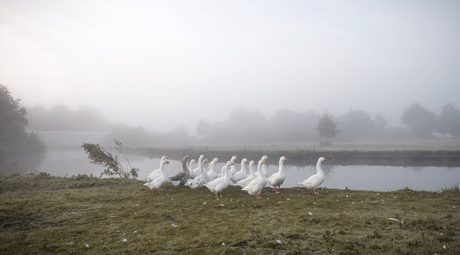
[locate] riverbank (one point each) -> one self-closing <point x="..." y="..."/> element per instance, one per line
<point x="84" y="215"/>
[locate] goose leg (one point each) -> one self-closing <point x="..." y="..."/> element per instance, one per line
<point x="278" y="191"/>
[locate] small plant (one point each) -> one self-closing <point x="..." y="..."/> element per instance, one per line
<point x="112" y="165"/>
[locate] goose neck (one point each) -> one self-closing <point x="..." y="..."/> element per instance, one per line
<point x="281" y="167"/>
<point x="318" y="167"/>
<point x="184" y="165"/>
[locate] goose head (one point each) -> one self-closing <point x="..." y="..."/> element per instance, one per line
<point x="282" y="159"/>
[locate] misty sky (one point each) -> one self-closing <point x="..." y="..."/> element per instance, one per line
<point x="166" y="64"/>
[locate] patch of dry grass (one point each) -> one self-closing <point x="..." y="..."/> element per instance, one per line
<point x="51" y="215"/>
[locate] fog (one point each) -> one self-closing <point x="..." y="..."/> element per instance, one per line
<point x="167" y="64"/>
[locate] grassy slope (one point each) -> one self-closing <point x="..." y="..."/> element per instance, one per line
<point x="50" y="215"/>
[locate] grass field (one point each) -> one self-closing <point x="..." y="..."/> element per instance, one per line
<point x="85" y="215"/>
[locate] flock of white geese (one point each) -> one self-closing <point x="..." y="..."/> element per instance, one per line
<point x="252" y="182"/>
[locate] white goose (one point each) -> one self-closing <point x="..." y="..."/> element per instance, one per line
<point x="242" y="173"/>
<point x="255" y="186"/>
<point x="200" y="180"/>
<point x="316" y="179"/>
<point x="232" y="170"/>
<point x="155" y="173"/>
<point x="162" y="178"/>
<point x="278" y="178"/>
<point x="211" y="174"/>
<point x="264" y="167"/>
<point x="250" y="177"/>
<point x="190" y="165"/>
<point x="219" y="184"/>
<point x="195" y="172"/>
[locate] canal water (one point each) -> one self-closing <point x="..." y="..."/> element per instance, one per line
<point x="356" y="177"/>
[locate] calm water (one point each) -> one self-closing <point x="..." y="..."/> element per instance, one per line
<point x="360" y="177"/>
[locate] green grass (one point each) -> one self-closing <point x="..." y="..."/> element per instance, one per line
<point x="84" y="215"/>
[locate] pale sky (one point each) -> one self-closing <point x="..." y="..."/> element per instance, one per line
<point x="166" y="64"/>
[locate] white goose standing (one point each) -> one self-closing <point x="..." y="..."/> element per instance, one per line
<point x="242" y="173"/>
<point x="162" y="178"/>
<point x="190" y="165"/>
<point x="316" y="179"/>
<point x="157" y="172"/>
<point x="232" y="169"/>
<point x="264" y="166"/>
<point x="195" y="172"/>
<point x="278" y="178"/>
<point x="250" y="177"/>
<point x="211" y="174"/>
<point x="255" y="186"/>
<point x="219" y="184"/>
<point x="200" y="180"/>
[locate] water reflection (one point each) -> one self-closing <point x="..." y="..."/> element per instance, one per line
<point x="360" y="177"/>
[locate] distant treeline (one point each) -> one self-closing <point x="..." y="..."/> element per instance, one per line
<point x="286" y="126"/>
<point x="63" y="118"/>
<point x="252" y="127"/>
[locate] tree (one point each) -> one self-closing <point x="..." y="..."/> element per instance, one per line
<point x="421" y="121"/>
<point x="290" y="126"/>
<point x="327" y="127"/>
<point x="356" y="124"/>
<point x="245" y="126"/>
<point x="448" y="121"/>
<point x="111" y="164"/>
<point x="380" y="123"/>
<point x="18" y="149"/>
<point x="202" y="128"/>
<point x="11" y="113"/>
